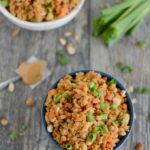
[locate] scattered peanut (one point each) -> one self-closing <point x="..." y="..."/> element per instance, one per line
<point x="139" y="146"/>
<point x="4" y="122"/>
<point x="67" y="34"/>
<point x="15" y="32"/>
<point x="123" y="93"/>
<point x="50" y="128"/>
<point x="70" y="49"/>
<point x="130" y="89"/>
<point x="11" y="87"/>
<point x="134" y="100"/>
<point x="76" y="37"/>
<point x="30" y="102"/>
<point x="62" y="41"/>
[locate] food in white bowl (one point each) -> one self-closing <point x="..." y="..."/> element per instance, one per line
<point x="41" y="14"/>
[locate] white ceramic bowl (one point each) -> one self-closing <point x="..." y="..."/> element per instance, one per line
<point x="42" y="25"/>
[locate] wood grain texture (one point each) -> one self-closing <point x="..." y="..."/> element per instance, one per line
<point x="91" y="53"/>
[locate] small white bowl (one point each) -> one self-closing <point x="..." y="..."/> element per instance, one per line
<point x="42" y="26"/>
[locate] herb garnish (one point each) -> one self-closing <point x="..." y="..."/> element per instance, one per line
<point x="13" y="136"/>
<point x="142" y="90"/>
<point x="62" y="58"/>
<point x="141" y="44"/>
<point x="124" y="68"/>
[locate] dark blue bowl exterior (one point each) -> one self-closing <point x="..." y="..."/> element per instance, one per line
<point x="119" y="85"/>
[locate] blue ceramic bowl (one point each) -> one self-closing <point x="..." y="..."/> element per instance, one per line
<point x="119" y="85"/>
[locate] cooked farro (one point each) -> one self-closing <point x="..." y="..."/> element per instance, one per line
<point x="87" y="112"/>
<point x="41" y="10"/>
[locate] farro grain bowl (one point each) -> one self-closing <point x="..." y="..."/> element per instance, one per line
<point x="88" y="110"/>
<point x="40" y="10"/>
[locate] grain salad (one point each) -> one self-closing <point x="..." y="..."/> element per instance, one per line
<point x="40" y="10"/>
<point x="87" y="112"/>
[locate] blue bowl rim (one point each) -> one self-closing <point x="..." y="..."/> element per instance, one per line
<point x="119" y="85"/>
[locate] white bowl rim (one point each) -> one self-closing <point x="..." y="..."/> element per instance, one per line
<point x="7" y="14"/>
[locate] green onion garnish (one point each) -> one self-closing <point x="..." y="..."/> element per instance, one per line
<point x="57" y="98"/>
<point x="112" y="82"/>
<point x="91" y="85"/>
<point x="103" y="106"/>
<point x="62" y="58"/>
<point x="97" y="130"/>
<point x="24" y="127"/>
<point x="48" y="1"/>
<point x="127" y="69"/>
<point x="69" y="147"/>
<point x="116" y="123"/>
<point x="100" y="94"/>
<point x="104" y="117"/>
<point x="92" y="137"/>
<point x="95" y="92"/>
<point x="4" y="3"/>
<point x="114" y="107"/>
<point x="124" y="68"/>
<point x="89" y="118"/>
<point x="48" y="10"/>
<point x="68" y="97"/>
<point x="13" y="136"/>
<point x="142" y="90"/>
<point x="141" y="44"/>
<point x="104" y="128"/>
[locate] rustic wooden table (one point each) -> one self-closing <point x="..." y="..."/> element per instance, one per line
<point x="91" y="53"/>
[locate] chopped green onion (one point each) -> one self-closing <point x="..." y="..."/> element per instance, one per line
<point x="97" y="130"/>
<point x="68" y="97"/>
<point x="127" y="69"/>
<point x="4" y="3"/>
<point x="91" y="85"/>
<point x="112" y="82"/>
<point x="62" y="58"/>
<point x="89" y="118"/>
<point x="124" y="68"/>
<point x="13" y="136"/>
<point x="95" y="92"/>
<point x="104" y="117"/>
<point x="73" y="80"/>
<point x="64" y="61"/>
<point x="120" y="65"/>
<point x="48" y="1"/>
<point x="24" y="127"/>
<point x="57" y="98"/>
<point x="94" y="89"/>
<point x="104" y="128"/>
<point x="69" y="147"/>
<point x="27" y="10"/>
<point x="103" y="106"/>
<point x="114" y="107"/>
<point x="141" y="44"/>
<point x="116" y="123"/>
<point x="100" y="94"/>
<point x="92" y="137"/>
<point x="142" y="90"/>
<point x="48" y="10"/>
